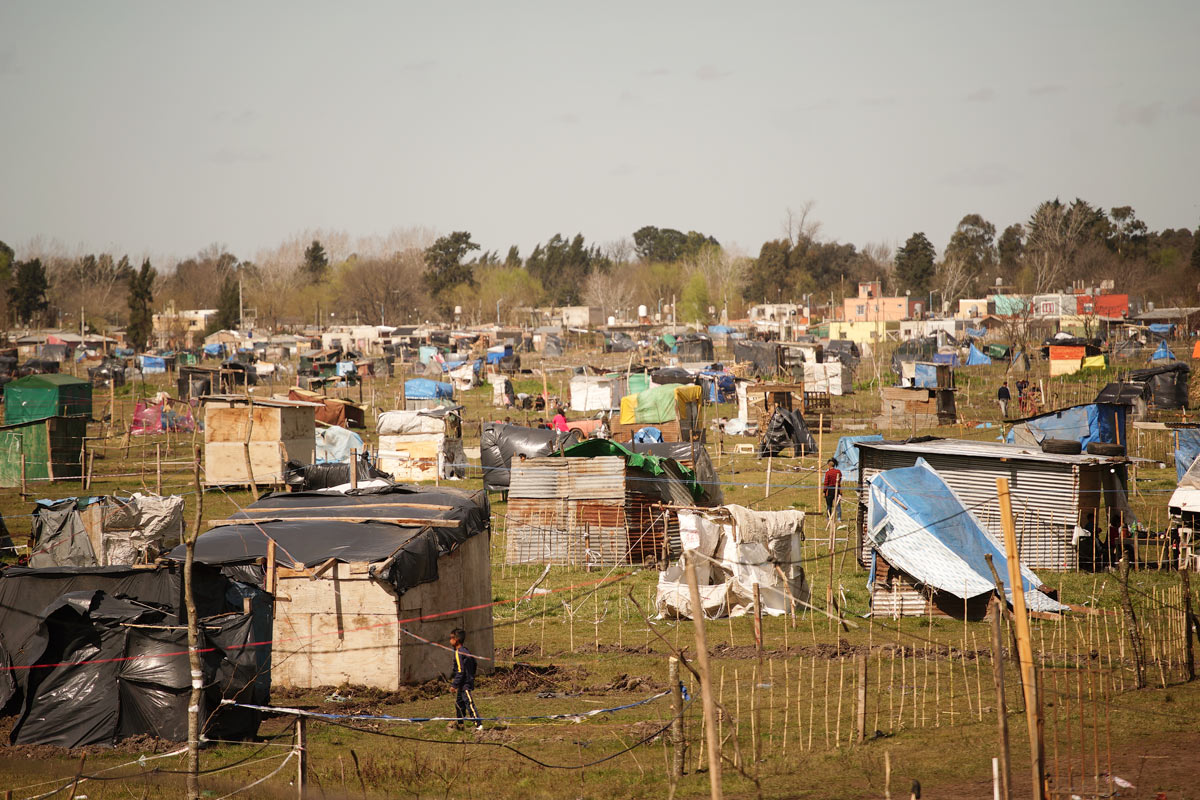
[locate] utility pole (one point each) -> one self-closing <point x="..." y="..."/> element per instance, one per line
<point x="241" y="309"/>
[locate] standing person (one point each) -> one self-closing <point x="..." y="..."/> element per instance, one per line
<point x="463" y="680"/>
<point x="559" y="423"/>
<point x="832" y="486"/>
<point x="1003" y="396"/>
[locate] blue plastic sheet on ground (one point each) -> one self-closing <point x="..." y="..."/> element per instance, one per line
<point x="846" y="455"/>
<point x="976" y="358"/>
<point x="1187" y="447"/>
<point x="425" y="389"/>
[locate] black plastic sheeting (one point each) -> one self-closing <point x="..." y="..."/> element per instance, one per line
<point x="104" y="679"/>
<point x="697" y="455"/>
<point x="59" y="538"/>
<point x="500" y="443"/>
<point x="306" y="477"/>
<point x="763" y="355"/>
<point x="677" y="375"/>
<point x="922" y="349"/>
<point x="414" y="549"/>
<point x="1168" y="384"/>
<point x="785" y="429"/>
<point x="1124" y="394"/>
<point x="694" y="347"/>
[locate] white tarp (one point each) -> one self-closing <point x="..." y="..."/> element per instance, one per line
<point x="833" y="377"/>
<point x="737" y="548"/>
<point x="335" y="444"/>
<point x="596" y="392"/>
<point x="463" y="377"/>
<point x="395" y="423"/>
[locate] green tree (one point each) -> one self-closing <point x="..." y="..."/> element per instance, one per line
<point x="972" y="243"/>
<point x="1195" y="261"/>
<point x="1011" y="248"/>
<point x="563" y="266"/>
<point x="27" y="294"/>
<point x="6" y="262"/>
<point x="914" y="263"/>
<point x="769" y="273"/>
<point x="513" y="259"/>
<point x="694" y="302"/>
<point x="444" y="265"/>
<point x="141" y="295"/>
<point x="227" y="317"/>
<point x="316" y="262"/>
<point x="1128" y="235"/>
<point x="667" y="244"/>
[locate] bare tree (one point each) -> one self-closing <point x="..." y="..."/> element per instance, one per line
<point x="1056" y="234"/>
<point x="797" y="225"/>
<point x="618" y="251"/>
<point x="953" y="276"/>
<point x="612" y="291"/>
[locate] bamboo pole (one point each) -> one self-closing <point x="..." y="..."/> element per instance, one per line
<point x="677" y="741"/>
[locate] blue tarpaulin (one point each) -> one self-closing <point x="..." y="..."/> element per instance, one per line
<point x="1161" y="328"/>
<point x="214" y="349"/>
<point x="1093" y="422"/>
<point x="977" y="333"/>
<point x="719" y="330"/>
<point x="345" y="368"/>
<point x="722" y="388"/>
<point x="846" y="455"/>
<point x="425" y="389"/>
<point x="976" y="358"/>
<point x="1187" y="447"/>
<point x="495" y="358"/>
<point x="1163" y="353"/>
<point x="153" y="365"/>
<point x="925" y="376"/>
<point x="426" y="352"/>
<point x="920" y="527"/>
<point x="946" y="358"/>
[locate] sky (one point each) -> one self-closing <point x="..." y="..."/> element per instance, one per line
<point x="149" y="127"/>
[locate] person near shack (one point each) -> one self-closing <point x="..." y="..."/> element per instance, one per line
<point x="463" y="681"/>
<point x="559" y="423"/>
<point x="832" y="485"/>
<point x="1003" y="396"/>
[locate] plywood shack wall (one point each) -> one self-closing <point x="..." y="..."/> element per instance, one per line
<point x="345" y="628"/>
<point x="279" y="433"/>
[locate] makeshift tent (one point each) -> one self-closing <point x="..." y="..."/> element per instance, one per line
<point x="1168" y="384"/>
<point x="762" y="356"/>
<point x="1163" y="353"/>
<point x="846" y="455"/>
<point x="111" y="679"/>
<point x="693" y="347"/>
<point x="721" y="387"/>
<point x="691" y="455"/>
<point x="426" y="389"/>
<point x="334" y="410"/>
<point x="1161" y="328"/>
<point x="421" y="445"/>
<point x="678" y="375"/>
<point x="42" y="449"/>
<point x="1134" y="395"/>
<point x="835" y="378"/>
<point x="1187" y="447"/>
<point x="104" y="531"/>
<point x="1092" y="422"/>
<point x="927" y="543"/>
<point x="922" y="349"/>
<point x="597" y="392"/>
<point x="162" y="414"/>
<point x="740" y="552"/>
<point x="499" y="444"/>
<point x="152" y="365"/>
<point x="663" y="404"/>
<point x="998" y="350"/>
<point x="976" y="358"/>
<point x="785" y="429"/>
<point x="37" y="397"/>
<point x="350" y="566"/>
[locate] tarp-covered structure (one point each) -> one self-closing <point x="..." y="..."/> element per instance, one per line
<point x="928" y="544"/>
<point x="1162" y="353"/>
<point x="37" y="397"/>
<point x="1168" y="384"/>
<point x="690" y="454"/>
<point x="104" y="531"/>
<point x="786" y="428"/>
<point x="597" y="392"/>
<point x="846" y="455"/>
<point x="673" y="408"/>
<point x="920" y="349"/>
<point x="107" y="680"/>
<point x="1091" y="422"/>
<point x="693" y="347"/>
<point x="975" y="358"/>
<point x="422" y="445"/>
<point x="426" y="389"/>
<point x="736" y="549"/>
<point x="333" y="410"/>
<point x="762" y="356"/>
<point x="500" y="443"/>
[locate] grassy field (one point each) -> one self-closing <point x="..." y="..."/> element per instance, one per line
<point x="788" y="718"/>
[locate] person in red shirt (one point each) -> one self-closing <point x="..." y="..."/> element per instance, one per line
<point x="832" y="486"/>
<point x="559" y="423"/>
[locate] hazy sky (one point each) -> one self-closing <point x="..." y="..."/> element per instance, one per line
<point x="165" y="127"/>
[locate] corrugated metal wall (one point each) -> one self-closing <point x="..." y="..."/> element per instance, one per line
<point x="1045" y="499"/>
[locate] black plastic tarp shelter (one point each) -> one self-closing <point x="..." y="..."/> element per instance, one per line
<point x="105" y="679"/>
<point x="785" y="429"/>
<point x="677" y="375"/>
<point x="1168" y="384"/>
<point x="694" y="347"/>
<point x="500" y="443"/>
<point x="763" y="355"/>
<point x="345" y="531"/>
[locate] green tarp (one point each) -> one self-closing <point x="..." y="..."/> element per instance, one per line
<point x="37" y="397"/>
<point x="638" y="382"/>
<point x="655" y="465"/>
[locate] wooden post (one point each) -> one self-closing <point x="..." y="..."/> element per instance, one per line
<point x="1033" y="710"/>
<point x="1001" y="707"/>
<point x="353" y="470"/>
<point x="758" y="631"/>
<point x="1189" y="658"/>
<point x="193" y="634"/>
<point x="271" y="573"/>
<point x="710" y="712"/>
<point x="1135" y="638"/>
<point x="767" y="491"/>
<point x="862" y="698"/>
<point x="677" y="741"/>
<point x="252" y="484"/>
<point x="301" y="757"/>
<point x="24" y="492"/>
<point x="158" y="468"/>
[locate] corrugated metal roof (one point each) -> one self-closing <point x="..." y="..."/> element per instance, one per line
<point x="989" y="450"/>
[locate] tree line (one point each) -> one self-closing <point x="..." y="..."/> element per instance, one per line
<point x="414" y="276"/>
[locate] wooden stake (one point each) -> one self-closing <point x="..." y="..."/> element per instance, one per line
<point x="302" y="757"/>
<point x="714" y="753"/>
<point x="1024" y="644"/>
<point x="158" y="468"/>
<point x="1189" y="659"/>
<point x="1001" y="708"/>
<point x="758" y="631"/>
<point x="677" y="741"/>
<point x="193" y="635"/>
<point x="862" y="698"/>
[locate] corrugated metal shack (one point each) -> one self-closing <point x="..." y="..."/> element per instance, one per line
<point x="600" y="505"/>
<point x="1051" y="493"/>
